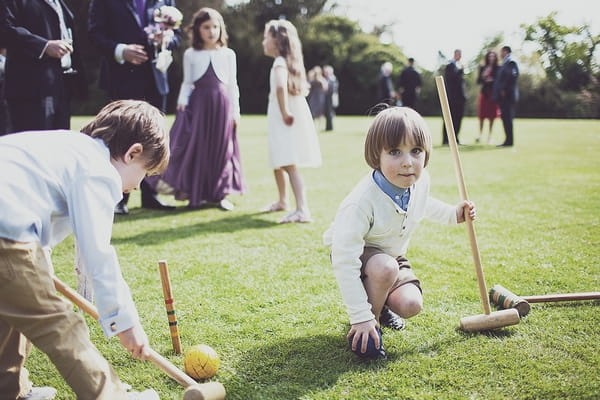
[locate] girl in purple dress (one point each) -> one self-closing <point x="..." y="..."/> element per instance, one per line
<point x="205" y="159"/>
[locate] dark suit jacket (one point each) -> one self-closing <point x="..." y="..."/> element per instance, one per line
<point x="505" y="89"/>
<point x="455" y="84"/>
<point x="409" y="79"/>
<point x="27" y="26"/>
<point x="115" y="21"/>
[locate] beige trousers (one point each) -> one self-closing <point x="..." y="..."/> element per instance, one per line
<point x="31" y="312"/>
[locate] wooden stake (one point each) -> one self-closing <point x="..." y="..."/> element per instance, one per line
<point x="166" y="285"/>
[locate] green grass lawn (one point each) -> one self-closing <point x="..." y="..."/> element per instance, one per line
<point x="264" y="295"/>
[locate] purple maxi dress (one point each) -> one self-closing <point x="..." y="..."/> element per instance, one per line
<point x="205" y="158"/>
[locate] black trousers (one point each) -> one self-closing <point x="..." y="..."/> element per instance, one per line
<point x="47" y="113"/>
<point x="507" y="113"/>
<point x="146" y="91"/>
<point x="457" y="110"/>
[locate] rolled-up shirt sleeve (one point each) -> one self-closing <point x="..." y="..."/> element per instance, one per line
<point x="92" y="216"/>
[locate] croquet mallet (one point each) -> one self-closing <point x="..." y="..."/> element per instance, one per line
<point x="193" y="391"/>
<point x="168" y="295"/>
<point x="504" y="298"/>
<point x="489" y="320"/>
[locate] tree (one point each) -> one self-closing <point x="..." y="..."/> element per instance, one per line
<point x="355" y="56"/>
<point x="567" y="53"/>
<point x="245" y="25"/>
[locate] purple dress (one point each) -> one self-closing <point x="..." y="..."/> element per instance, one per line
<point x="205" y="158"/>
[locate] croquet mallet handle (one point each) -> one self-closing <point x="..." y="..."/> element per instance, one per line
<point x="158" y="360"/>
<point x="548" y="298"/>
<point x="483" y="293"/>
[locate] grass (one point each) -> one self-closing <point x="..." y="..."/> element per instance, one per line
<point x="264" y="296"/>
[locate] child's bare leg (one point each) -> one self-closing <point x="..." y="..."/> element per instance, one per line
<point x="302" y="213"/>
<point x="380" y="273"/>
<point x="281" y="187"/>
<point x="406" y="301"/>
<point x="281" y="203"/>
<point x="297" y="187"/>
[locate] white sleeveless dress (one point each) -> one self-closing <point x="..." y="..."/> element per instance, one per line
<point x="297" y="144"/>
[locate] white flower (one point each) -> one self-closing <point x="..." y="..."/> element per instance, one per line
<point x="169" y="16"/>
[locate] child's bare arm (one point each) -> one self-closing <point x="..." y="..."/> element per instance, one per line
<point x="135" y="341"/>
<point x="460" y="210"/>
<point x="282" y="95"/>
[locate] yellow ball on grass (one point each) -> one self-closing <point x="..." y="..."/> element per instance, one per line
<point x="201" y="362"/>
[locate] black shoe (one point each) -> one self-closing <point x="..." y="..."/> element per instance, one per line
<point x="391" y="319"/>
<point x="505" y="145"/>
<point x="121" y="208"/>
<point x="153" y="203"/>
<point x="150" y="199"/>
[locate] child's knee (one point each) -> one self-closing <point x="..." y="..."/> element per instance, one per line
<point x="406" y="301"/>
<point x="383" y="269"/>
<point x="411" y="307"/>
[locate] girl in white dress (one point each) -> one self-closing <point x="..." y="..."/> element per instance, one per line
<point x="293" y="141"/>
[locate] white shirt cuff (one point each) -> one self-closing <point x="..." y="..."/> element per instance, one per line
<point x="43" y="51"/>
<point x="118" y="322"/>
<point x="119" y="53"/>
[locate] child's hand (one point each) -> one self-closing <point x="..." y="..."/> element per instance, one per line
<point x="361" y="331"/>
<point x="460" y="210"/>
<point x="288" y="119"/>
<point x="135" y="341"/>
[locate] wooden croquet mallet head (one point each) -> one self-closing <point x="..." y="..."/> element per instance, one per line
<point x="489" y="320"/>
<point x="505" y="299"/>
<point x="205" y="391"/>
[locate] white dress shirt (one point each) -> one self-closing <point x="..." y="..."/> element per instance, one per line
<point x="54" y="183"/>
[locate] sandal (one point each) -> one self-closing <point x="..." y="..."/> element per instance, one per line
<point x="296" y="216"/>
<point x="274" y="207"/>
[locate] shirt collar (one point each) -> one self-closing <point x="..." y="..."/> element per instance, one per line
<point x="394" y="192"/>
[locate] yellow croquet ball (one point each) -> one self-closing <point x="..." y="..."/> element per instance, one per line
<point x="201" y="362"/>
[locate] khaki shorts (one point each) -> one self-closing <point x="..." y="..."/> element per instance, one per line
<point x="405" y="272"/>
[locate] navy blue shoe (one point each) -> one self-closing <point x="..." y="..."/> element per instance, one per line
<point x="391" y="319"/>
<point x="372" y="352"/>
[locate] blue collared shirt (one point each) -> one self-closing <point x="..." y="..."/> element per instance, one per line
<point x="399" y="195"/>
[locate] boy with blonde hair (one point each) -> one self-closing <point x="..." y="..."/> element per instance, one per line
<point x="55" y="183"/>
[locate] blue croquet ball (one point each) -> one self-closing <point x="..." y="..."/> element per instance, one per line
<point x="372" y="351"/>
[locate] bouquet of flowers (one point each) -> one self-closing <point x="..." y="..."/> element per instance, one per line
<point x="160" y="32"/>
<point x="168" y="17"/>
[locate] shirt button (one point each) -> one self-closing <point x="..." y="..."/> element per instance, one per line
<point x="113" y="327"/>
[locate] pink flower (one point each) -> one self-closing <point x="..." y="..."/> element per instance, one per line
<point x="168" y="16"/>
